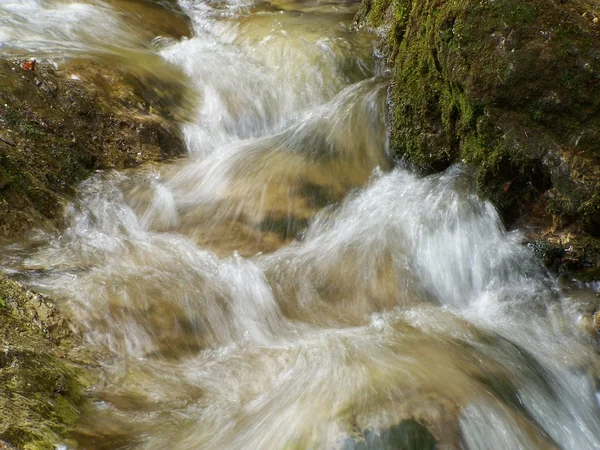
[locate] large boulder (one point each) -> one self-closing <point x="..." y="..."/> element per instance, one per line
<point x="511" y="87"/>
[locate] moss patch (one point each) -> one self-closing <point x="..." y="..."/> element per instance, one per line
<point x="510" y="87"/>
<point x="56" y="127"/>
<point x="40" y="385"/>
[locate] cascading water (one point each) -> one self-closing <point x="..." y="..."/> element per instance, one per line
<point x="283" y="286"/>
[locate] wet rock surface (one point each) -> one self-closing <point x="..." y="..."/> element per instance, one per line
<point x="407" y="435"/>
<point x="157" y="17"/>
<point x="510" y="88"/>
<point x="41" y="377"/>
<point x="56" y="126"/>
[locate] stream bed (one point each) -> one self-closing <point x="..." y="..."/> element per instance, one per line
<point x="285" y="285"/>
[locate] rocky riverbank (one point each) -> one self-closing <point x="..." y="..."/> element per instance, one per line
<point x="512" y="89"/>
<point x="56" y="127"/>
<point x="58" y="124"/>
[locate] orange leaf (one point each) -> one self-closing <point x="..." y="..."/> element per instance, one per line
<point x="29" y="65"/>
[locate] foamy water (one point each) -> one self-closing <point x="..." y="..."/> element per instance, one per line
<point x="284" y="286"/>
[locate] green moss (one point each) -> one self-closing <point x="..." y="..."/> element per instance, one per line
<point x="12" y="116"/>
<point x="66" y="411"/>
<point x="496" y="85"/>
<point x="40" y="389"/>
<point x="377" y="12"/>
<point x="402" y="9"/>
<point x="514" y="13"/>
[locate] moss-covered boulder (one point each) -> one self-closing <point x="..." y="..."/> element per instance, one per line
<point x="58" y="125"/>
<point x="511" y="87"/>
<point x="41" y="383"/>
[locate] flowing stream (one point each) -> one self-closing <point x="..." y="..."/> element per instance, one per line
<point x="284" y="286"/>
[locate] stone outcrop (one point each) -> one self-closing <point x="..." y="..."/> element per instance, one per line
<point x="56" y="126"/>
<point x="511" y="88"/>
<point x="41" y="376"/>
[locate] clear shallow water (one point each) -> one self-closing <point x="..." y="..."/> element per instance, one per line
<point x="283" y="286"/>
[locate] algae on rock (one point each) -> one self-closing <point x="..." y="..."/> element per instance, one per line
<point x="41" y="383"/>
<point x="509" y="87"/>
<point x="58" y="126"/>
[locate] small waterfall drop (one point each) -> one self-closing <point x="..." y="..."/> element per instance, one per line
<point x="284" y="286"/>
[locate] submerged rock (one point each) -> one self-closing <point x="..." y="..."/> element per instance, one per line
<point x="41" y="383"/>
<point x="407" y="435"/>
<point x="510" y="87"/>
<point x="58" y="126"/>
<point x="157" y="18"/>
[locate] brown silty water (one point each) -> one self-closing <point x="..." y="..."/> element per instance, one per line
<point x="283" y="286"/>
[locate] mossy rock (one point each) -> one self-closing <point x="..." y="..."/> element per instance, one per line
<point x="511" y="87"/>
<point x="58" y="126"/>
<point x="41" y="385"/>
<point x="570" y="255"/>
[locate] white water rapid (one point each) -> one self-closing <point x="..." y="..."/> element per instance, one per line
<point x="283" y="286"/>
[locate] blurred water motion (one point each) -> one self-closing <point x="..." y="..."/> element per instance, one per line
<point x="283" y="286"/>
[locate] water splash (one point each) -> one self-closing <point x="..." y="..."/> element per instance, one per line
<point x="284" y="287"/>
